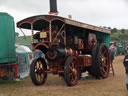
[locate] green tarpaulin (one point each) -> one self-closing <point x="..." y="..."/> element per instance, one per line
<point x="7" y="39"/>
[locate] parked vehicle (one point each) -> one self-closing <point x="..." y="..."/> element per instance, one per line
<point x="11" y="60"/>
<point x="24" y="58"/>
<point x="70" y="48"/>
<point x="120" y="48"/>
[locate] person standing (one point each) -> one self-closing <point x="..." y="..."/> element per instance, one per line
<point x="126" y="68"/>
<point x="112" y="52"/>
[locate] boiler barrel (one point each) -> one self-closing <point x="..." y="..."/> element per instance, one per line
<point x="54" y="54"/>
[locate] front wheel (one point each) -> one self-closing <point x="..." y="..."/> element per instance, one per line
<point x="38" y="76"/>
<point x="71" y="73"/>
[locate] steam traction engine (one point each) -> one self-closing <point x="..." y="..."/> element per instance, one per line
<point x="69" y="47"/>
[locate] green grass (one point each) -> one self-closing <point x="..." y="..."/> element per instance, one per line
<point x="23" y="40"/>
<point x="13" y="83"/>
<point x="5" y="83"/>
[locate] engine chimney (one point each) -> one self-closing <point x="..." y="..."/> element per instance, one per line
<point x="53" y="7"/>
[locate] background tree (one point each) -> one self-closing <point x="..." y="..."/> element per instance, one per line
<point x="109" y="28"/>
<point x="122" y="31"/>
<point x="114" y="30"/>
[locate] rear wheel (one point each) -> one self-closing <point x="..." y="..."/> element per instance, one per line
<point x="71" y="73"/>
<point x="38" y="76"/>
<point x="101" y="61"/>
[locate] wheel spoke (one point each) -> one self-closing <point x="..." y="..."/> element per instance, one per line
<point x="72" y="64"/>
<point x="35" y="70"/>
<point x="40" y="64"/>
<point x="37" y="65"/>
<point x="41" y="77"/>
<point x="105" y="66"/>
<point x="37" y="77"/>
<point x="70" y="74"/>
<point x="105" y="51"/>
<point x="70" y="68"/>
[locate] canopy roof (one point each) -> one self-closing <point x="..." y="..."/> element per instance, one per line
<point x="42" y="21"/>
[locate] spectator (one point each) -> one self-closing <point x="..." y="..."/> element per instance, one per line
<point x="112" y="52"/>
<point x="126" y="68"/>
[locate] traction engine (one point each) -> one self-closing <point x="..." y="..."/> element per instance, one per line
<point x="69" y="48"/>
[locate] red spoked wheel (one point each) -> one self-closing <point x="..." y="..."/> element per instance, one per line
<point x="101" y="61"/>
<point x="38" y="76"/>
<point x="104" y="60"/>
<point x="71" y="73"/>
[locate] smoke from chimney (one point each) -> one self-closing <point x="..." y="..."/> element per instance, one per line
<point x="53" y="7"/>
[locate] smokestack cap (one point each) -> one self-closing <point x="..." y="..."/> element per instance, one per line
<point x="53" y="7"/>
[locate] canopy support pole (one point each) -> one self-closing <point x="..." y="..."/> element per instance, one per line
<point x="50" y="31"/>
<point x="32" y="39"/>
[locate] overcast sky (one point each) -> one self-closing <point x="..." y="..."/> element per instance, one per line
<point x="110" y="13"/>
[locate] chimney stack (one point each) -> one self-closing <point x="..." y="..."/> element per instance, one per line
<point x="53" y="7"/>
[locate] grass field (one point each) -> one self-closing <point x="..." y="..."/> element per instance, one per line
<point x="55" y="85"/>
<point x="23" y="40"/>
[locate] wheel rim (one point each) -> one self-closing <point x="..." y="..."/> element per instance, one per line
<point x="40" y="75"/>
<point x="73" y="72"/>
<point x="104" y="61"/>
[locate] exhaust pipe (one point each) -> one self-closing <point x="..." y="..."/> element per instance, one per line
<point x="53" y="7"/>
